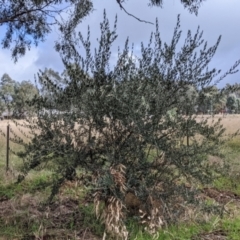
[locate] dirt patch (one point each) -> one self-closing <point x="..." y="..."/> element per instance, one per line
<point x="220" y="196"/>
<point x="215" y="235"/>
<point x="60" y="220"/>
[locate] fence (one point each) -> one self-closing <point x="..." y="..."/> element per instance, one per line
<point x="8" y="159"/>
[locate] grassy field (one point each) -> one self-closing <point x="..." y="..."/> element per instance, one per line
<point x="72" y="216"/>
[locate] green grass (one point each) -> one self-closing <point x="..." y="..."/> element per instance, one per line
<point x="32" y="185"/>
<point x="232" y="227"/>
<point x="189" y="231"/>
<point x="14" y="162"/>
<point x="90" y="220"/>
<point x="228" y="183"/>
<point x="178" y="232"/>
<point x="38" y="183"/>
<point x="234" y="144"/>
<point x="231" y="180"/>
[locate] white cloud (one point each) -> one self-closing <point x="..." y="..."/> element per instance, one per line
<point x="24" y="69"/>
<point x="215" y="18"/>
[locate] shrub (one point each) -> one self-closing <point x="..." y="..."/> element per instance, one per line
<point x="122" y="126"/>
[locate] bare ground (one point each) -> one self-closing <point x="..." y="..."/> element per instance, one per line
<point x="54" y="221"/>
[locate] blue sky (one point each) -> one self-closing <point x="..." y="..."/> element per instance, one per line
<point x="216" y="17"/>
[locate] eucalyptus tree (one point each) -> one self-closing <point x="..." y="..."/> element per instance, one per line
<point x="211" y="99"/>
<point x="2" y="106"/>
<point x="238" y="105"/>
<point x="24" y="92"/>
<point x="6" y="91"/>
<point x="190" y="100"/>
<point x="220" y="102"/>
<point x="109" y="136"/>
<point x="27" y="22"/>
<point x="232" y="102"/>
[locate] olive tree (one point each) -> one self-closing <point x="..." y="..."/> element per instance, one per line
<point x="131" y="154"/>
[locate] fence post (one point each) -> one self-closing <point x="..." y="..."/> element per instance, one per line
<point x="7" y="150"/>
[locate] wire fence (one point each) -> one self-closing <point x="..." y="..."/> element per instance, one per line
<point x="8" y="159"/>
<point x="8" y="128"/>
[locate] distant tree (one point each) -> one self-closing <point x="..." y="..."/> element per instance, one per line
<point x="6" y="91"/>
<point x="238" y="105"/>
<point x="209" y="99"/>
<point x="237" y="91"/>
<point x="190" y="100"/>
<point x="24" y="92"/>
<point x="2" y="107"/>
<point x="232" y="102"/>
<point x="16" y="96"/>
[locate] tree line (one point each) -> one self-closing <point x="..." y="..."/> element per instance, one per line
<point x="16" y="97"/>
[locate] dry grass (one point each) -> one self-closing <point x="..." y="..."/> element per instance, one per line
<point x="29" y="220"/>
<point x="4" y="123"/>
<point x="14" y="162"/>
<point x="66" y="211"/>
<point x="230" y="122"/>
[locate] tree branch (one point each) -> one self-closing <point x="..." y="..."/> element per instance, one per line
<point x="28" y="11"/>
<point x="131" y="15"/>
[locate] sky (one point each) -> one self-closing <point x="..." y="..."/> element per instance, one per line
<point x="215" y="17"/>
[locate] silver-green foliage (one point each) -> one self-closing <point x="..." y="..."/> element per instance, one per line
<point x="136" y="114"/>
